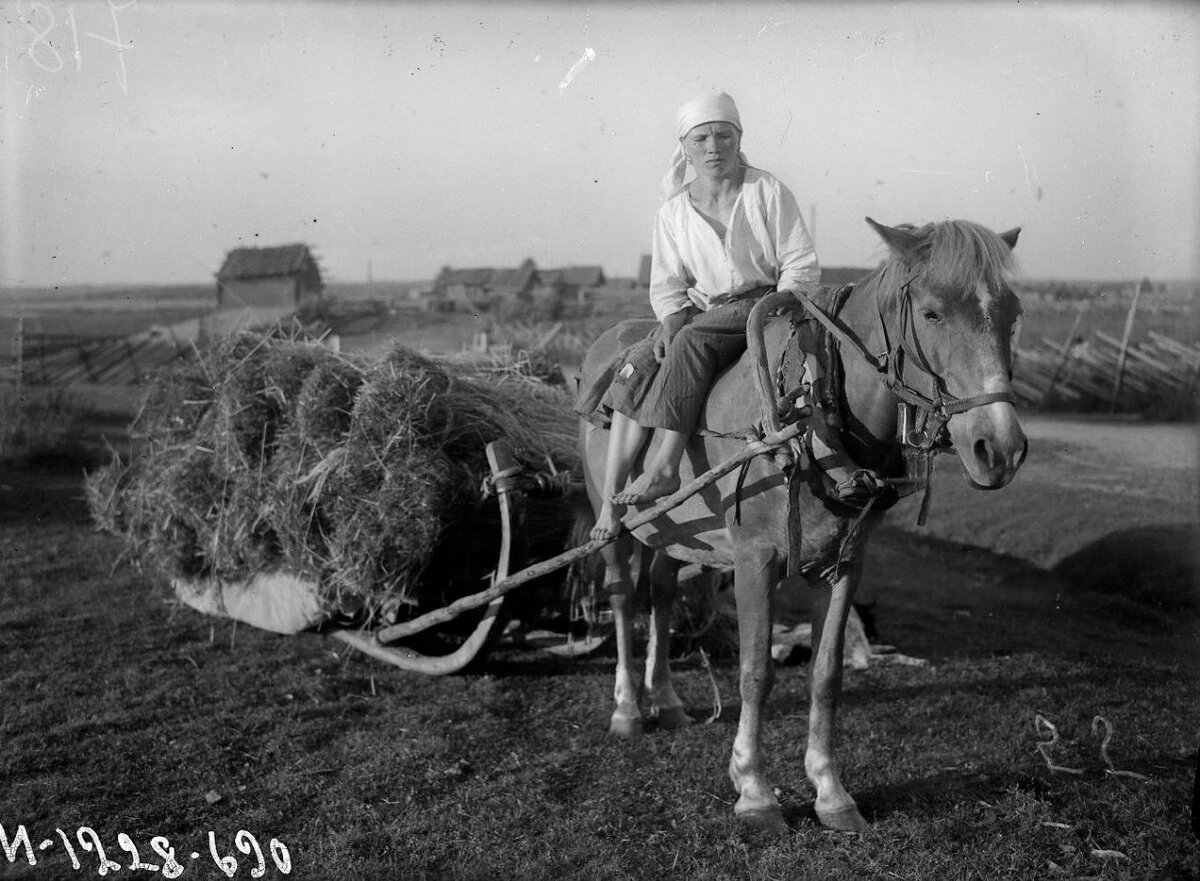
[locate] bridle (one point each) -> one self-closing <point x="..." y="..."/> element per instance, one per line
<point x="928" y="432"/>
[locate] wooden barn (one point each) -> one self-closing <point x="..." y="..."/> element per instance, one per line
<point x="483" y="287"/>
<point x="284" y="277"/>
<point x="573" y="284"/>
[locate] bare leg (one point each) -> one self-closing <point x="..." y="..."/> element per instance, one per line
<point x="661" y="476"/>
<point x="624" y="440"/>
<point x="664" y="702"/>
<point x="755" y="574"/>
<point x="831" y="607"/>
<point x="618" y="581"/>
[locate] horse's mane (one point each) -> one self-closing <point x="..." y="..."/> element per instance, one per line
<point x="957" y="254"/>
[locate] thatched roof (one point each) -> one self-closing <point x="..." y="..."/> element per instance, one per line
<point x="468" y="277"/>
<point x="519" y="278"/>
<point x="574" y="276"/>
<point x="522" y="278"/>
<point x="243" y="263"/>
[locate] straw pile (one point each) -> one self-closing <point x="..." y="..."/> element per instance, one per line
<point x="269" y="454"/>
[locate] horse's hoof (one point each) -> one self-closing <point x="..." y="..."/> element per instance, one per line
<point x="762" y="818"/>
<point x="625" y="726"/>
<point x="671" y="718"/>
<point x="843" y="820"/>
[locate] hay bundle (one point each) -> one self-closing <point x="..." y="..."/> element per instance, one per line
<point x="278" y="455"/>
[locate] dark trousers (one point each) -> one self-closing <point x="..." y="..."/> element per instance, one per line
<point x="675" y="396"/>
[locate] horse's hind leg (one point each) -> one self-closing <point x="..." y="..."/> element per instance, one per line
<point x="664" y="702"/>
<point x="618" y="582"/>
<point x="831" y="607"/>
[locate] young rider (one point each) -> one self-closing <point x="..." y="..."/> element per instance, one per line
<point x="721" y="241"/>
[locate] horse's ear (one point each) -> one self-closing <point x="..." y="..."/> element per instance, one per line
<point x="902" y="241"/>
<point x="1010" y="238"/>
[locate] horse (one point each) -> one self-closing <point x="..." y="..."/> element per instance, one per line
<point x="931" y="327"/>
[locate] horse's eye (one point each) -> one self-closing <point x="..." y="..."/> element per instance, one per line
<point x="931" y="316"/>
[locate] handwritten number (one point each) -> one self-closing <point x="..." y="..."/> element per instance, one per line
<point x="75" y="37"/>
<point x="228" y="865"/>
<point x="39" y="39"/>
<point x="1043" y="746"/>
<point x="246" y="843"/>
<point x="162" y="847"/>
<point x="129" y="847"/>
<point x="115" y="42"/>
<point x="106" y="865"/>
<point x="281" y="856"/>
<point x="70" y="850"/>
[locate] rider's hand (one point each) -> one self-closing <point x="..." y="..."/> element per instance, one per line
<point x="671" y="325"/>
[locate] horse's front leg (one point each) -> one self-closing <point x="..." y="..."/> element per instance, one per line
<point x="665" y="704"/>
<point x="618" y="582"/>
<point x="831" y="607"/>
<point x="755" y="573"/>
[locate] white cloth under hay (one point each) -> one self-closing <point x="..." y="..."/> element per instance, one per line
<point x="280" y="602"/>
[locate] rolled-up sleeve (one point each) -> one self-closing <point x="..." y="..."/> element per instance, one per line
<point x="798" y="265"/>
<point x="669" y="277"/>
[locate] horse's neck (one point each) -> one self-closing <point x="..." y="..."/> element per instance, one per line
<point x="869" y="408"/>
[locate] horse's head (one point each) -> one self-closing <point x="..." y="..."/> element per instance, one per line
<point x="950" y="318"/>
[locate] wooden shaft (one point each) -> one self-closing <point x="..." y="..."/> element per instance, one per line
<point x="500" y="458"/>
<point x="501" y="587"/>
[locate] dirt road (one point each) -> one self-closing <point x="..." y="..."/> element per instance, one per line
<point x="1084" y="480"/>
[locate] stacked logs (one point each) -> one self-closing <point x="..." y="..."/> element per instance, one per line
<point x="1158" y="376"/>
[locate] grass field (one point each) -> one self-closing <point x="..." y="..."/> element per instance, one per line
<point x="127" y="714"/>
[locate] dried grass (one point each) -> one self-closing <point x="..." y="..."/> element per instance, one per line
<point x="276" y="454"/>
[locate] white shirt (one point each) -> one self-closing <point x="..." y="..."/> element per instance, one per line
<point x="766" y="243"/>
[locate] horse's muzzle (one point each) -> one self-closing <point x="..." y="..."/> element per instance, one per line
<point x="991" y="445"/>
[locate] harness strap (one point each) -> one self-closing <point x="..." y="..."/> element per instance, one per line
<point x="841" y="333"/>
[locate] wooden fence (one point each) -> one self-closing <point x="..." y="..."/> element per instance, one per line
<point x="53" y="359"/>
<point x="1158" y="376"/>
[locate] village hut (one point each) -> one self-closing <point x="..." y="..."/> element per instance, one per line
<point x="285" y="278"/>
<point x="572" y="284"/>
<point x="484" y="287"/>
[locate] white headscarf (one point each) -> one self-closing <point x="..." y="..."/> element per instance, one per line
<point x="715" y="107"/>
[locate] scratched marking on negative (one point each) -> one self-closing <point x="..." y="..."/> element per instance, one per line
<point x="588" y="56"/>
<point x="41" y="23"/>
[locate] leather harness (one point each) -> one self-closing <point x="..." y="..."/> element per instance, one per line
<point x="920" y="443"/>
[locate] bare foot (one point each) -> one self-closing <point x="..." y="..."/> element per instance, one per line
<point x="648" y="487"/>
<point x="608" y="522"/>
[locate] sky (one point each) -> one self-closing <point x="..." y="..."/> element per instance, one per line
<point x="141" y="141"/>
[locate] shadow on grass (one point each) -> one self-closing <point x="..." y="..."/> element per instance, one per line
<point x="1156" y="565"/>
<point x="42" y="495"/>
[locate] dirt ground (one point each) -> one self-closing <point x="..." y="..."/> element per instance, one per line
<point x="1097" y="501"/>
